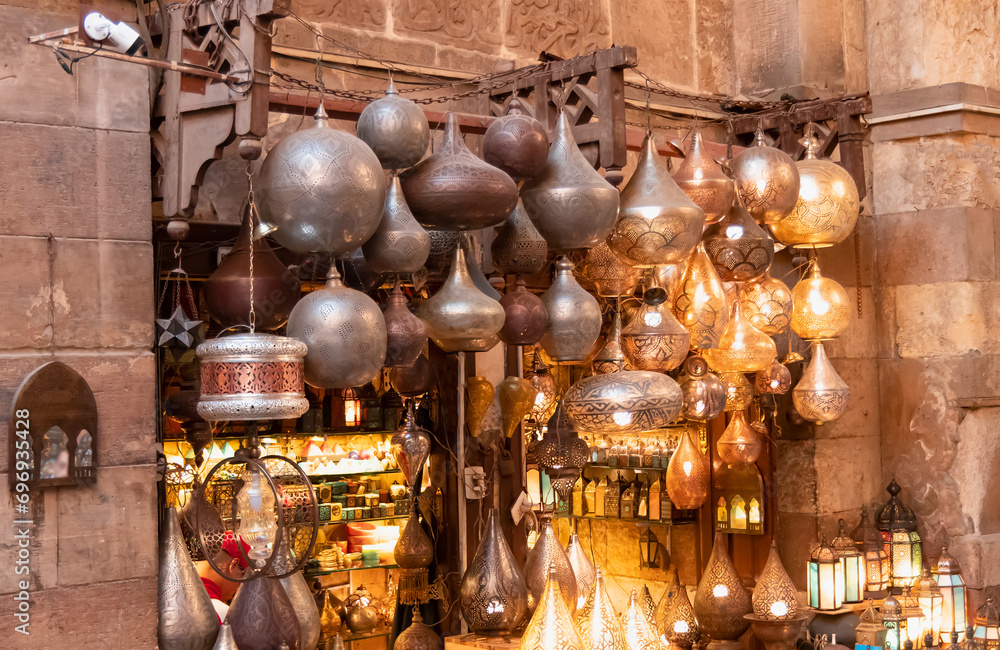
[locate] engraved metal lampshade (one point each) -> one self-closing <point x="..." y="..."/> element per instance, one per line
<point x="646" y="601"/>
<point x="460" y="317"/>
<point x="739" y="391"/>
<point x="569" y="201"/>
<point x="410" y="445"/>
<point x="703" y="180"/>
<point x="517" y="143"/>
<point x="525" y="318"/>
<point x="742" y="348"/>
<point x="654" y="339"/>
<point x="396" y="130"/>
<point x="517" y="396"/>
<point x="583" y="568"/>
<point x="494" y="595"/>
<point x="299" y="594"/>
<point x="827" y="207"/>
<point x="345" y="332"/>
<point x="776" y="379"/>
<point x="767" y="303"/>
<point x="414" y="552"/>
<point x="187" y="620"/>
<point x="611" y="357"/>
<point x="704" y="393"/>
<point x="739" y="248"/>
<point x="822" y="309"/>
<point x="561" y="453"/>
<point x="417" y="636"/>
<point x="519" y="247"/>
<point x="399" y="244"/>
<point x="701" y="305"/>
<point x="598" y="621"/>
<point x="545" y="386"/>
<point x="821" y="395"/>
<point x="623" y="402"/>
<point x="551" y="625"/>
<point x="610" y="275"/>
<point x="740" y="445"/>
<point x="321" y="189"/>
<point x="639" y="634"/>
<point x="657" y="223"/>
<point x="479" y="394"/>
<point x="767" y="181"/>
<point x="722" y="601"/>
<point x="547" y="561"/>
<point x="262" y="616"/>
<point x="574" y="317"/>
<point x="774" y="595"/>
<point x="688" y="474"/>
<point x="406" y="335"/>
<point x="678" y="624"/>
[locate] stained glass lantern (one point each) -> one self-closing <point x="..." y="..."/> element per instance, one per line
<point x="929" y="597"/>
<point x="853" y="565"/>
<point x="877" y="569"/>
<point x="826" y="578"/>
<point x="898" y="526"/>
<point x="894" y="623"/>
<point x="987" y="626"/>
<point x="949" y="581"/>
<point x="914" y="616"/>
<point x="870" y="632"/>
<point x="352" y="408"/>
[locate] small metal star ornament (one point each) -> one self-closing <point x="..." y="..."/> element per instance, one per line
<point x="178" y="332"/>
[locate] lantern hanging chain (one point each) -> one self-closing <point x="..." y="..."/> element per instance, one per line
<point x="252" y="206"/>
<point x="857" y="266"/>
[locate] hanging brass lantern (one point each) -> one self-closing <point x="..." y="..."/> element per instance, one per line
<point x="740" y="445"/>
<point x="704" y="393"/>
<point x="828" y="205"/>
<point x="409" y="446"/>
<point x="345" y="332"/>
<point x="569" y="201"/>
<point x="406" y="335"/>
<point x="739" y="248"/>
<point x="822" y="309"/>
<point x="583" y="568"/>
<point x="561" y="453"/>
<point x="414" y="552"/>
<point x="703" y="180"/>
<point x="657" y="223"/>
<point x="742" y="348"/>
<point x="767" y="304"/>
<point x="417" y="636"/>
<point x="452" y="189"/>
<point x="460" y="317"/>
<point x="552" y="625"/>
<point x="186" y="616"/>
<point x="321" y="189"/>
<point x="598" y="621"/>
<point x="722" y="601"/>
<point x="654" y="340"/>
<point x="547" y="558"/>
<point x="821" y="395"/>
<point x="639" y="634"/>
<point x="574" y="317"/>
<point x="517" y="396"/>
<point x="525" y="318"/>
<point x="545" y="386"/>
<point x="494" y="595"/>
<point x="739" y="391"/>
<point x="517" y="143"/>
<point x="399" y="244"/>
<point x="623" y="402"/>
<point x="701" y="305"/>
<point x="478" y="397"/>
<point x="610" y="275"/>
<point x="519" y="247"/>
<point x="767" y="181"/>
<point x="611" y="357"/>
<point x="687" y="474"/>
<point x="774" y="380"/>
<point x="774" y="596"/>
<point x="396" y="130"/>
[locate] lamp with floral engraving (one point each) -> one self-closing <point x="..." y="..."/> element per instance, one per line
<point x="722" y="602"/>
<point x="551" y="626"/>
<point x="853" y="565"/>
<point x="776" y="620"/>
<point x="597" y="620"/>
<point x="898" y="526"/>
<point x="986" y="632"/>
<point x="821" y="309"/>
<point x="952" y="586"/>
<point x="825" y="578"/>
<point x="928" y="595"/>
<point x="678" y="624"/>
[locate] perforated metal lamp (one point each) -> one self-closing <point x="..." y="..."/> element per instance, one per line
<point x="987" y="626"/>
<point x="825" y="578"/>
<point x="914" y="616"/>
<point x="953" y="608"/>
<point x="870" y="631"/>
<point x="853" y="565"/>
<point x="930" y="599"/>
<point x="894" y="622"/>
<point x="898" y="527"/>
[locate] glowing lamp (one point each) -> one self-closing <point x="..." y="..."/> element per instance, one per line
<point x="825" y="578"/>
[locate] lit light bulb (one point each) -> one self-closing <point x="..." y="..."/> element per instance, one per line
<point x="819" y="305"/>
<point x="258" y="523"/>
<point x="720" y="591"/>
<point x="652" y="318"/>
<point x="622" y="418"/>
<point x="779" y="609"/>
<point x="681" y="627"/>
<point x="687" y="467"/>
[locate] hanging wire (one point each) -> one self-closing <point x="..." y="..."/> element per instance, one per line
<point x="251" y="200"/>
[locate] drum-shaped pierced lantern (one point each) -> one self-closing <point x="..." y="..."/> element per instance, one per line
<point x="525" y="318"/>
<point x="399" y="244"/>
<point x="321" y="189"/>
<point x="703" y="180"/>
<point x="822" y="309"/>
<point x="414" y="553"/>
<point x="345" y="332"/>
<point x="898" y="526"/>
<point x="252" y="377"/>
<point x="623" y="402"/>
<point x="821" y="395"/>
<point x="569" y="201"/>
<point x="701" y="305"/>
<point x="657" y="223"/>
<point x="767" y="181"/>
<point x="452" y="189"/>
<point x="739" y="248"/>
<point x="742" y="348"/>
<point x="516" y="143"/>
<point x="767" y="304"/>
<point x="703" y="391"/>
<point x="561" y="453"/>
<point x="611" y="357"/>
<point x="396" y="130"/>
<point x="519" y="247"/>
<point x="827" y="207"/>
<point x="654" y="340"/>
<point x="574" y="317"/>
<point x="610" y="275"/>
<point x="406" y="335"/>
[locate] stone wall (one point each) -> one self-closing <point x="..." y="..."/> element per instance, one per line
<point x="77" y="269"/>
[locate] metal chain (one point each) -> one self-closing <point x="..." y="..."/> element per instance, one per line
<point x="251" y="201"/>
<point x="857" y="266"/>
<point x="661" y="89"/>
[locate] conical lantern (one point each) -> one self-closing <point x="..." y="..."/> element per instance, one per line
<point x="611" y="356"/>
<point x="452" y="189"/>
<point x="666" y="601"/>
<point x="406" y="335"/>
<point x="345" y="332"/>
<point x="827" y="207"/>
<point x="517" y="143"/>
<point x="459" y="316"/>
<point x="478" y="397"/>
<point x="299" y="595"/>
<point x="679" y="625"/>
<point x="722" y="601"/>
<point x="740" y="445"/>
<point x="187" y="618"/>
<point x="517" y="396"/>
<point x="545" y="555"/>
<point x="561" y="453"/>
<point x="775" y="379"/>
<point x="701" y="305"/>
<point x="417" y="636"/>
<point x="657" y="222"/>
<point x="569" y="201"/>
<point x="767" y="181"/>
<point x="774" y="595"/>
<point x="262" y="616"/>
<point x="610" y="275"/>
<point x="742" y="348"/>
<point x="767" y="304"/>
<point x="414" y="552"/>
<point x="687" y="474"/>
<point x="410" y="445"/>
<point x="623" y="402"/>
<point x="225" y="640"/>
<point x="597" y="620"/>
<point x="821" y="395"/>
<point x="639" y="634"/>
<point x="494" y="595"/>
<point x="399" y="244"/>
<point x="822" y="309"/>
<point x="331" y="616"/>
<point x="227" y="291"/>
<point x="703" y="180"/>
<point x="654" y="340"/>
<point x="321" y="190"/>
<point x="396" y="130"/>
<point x="583" y="568"/>
<point x="647" y="605"/>
<point x="519" y="247"/>
<point x="739" y="248"/>
<point x="525" y="318"/>
<point x="704" y="394"/>
<point x="574" y="317"/>
<point x="739" y="391"/>
<point x="551" y="626"/>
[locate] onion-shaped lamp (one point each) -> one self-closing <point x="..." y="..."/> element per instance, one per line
<point x="743" y="348"/>
<point x="739" y="248"/>
<point x="773" y="380"/>
<point x="740" y="445"/>
<point x="701" y="305"/>
<point x="688" y="474"/>
<point x="679" y="624"/>
<point x="739" y="391"/>
<point x="776" y="620"/>
<point x="722" y="602"/>
<point x="551" y="626"/>
<point x="574" y="317"/>
<point x="610" y="275"/>
<point x="821" y="395"/>
<point x="654" y="339"/>
<point x="623" y="402"/>
<point x="703" y="180"/>
<point x="822" y="309"/>
<point x="704" y="393"/>
<point x="767" y="181"/>
<point x="767" y="303"/>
